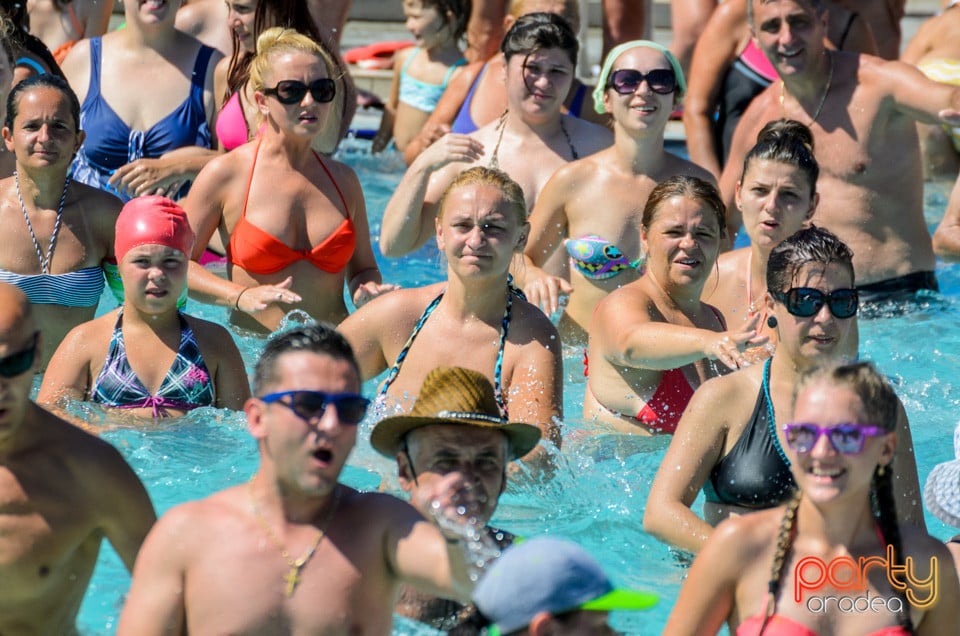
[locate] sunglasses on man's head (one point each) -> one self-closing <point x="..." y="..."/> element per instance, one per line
<point x="17" y="363"/>
<point x="627" y="80"/>
<point x="806" y="301"/>
<point x="845" y="438"/>
<point x="292" y="91"/>
<point x="310" y="405"/>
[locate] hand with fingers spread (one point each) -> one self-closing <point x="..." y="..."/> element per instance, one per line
<point x="544" y="290"/>
<point x="255" y="299"/>
<point x="450" y="148"/>
<point x="370" y="290"/>
<point x="728" y="346"/>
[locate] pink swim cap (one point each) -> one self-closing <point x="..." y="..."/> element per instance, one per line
<point x="152" y="220"/>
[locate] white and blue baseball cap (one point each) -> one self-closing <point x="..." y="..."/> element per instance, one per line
<point x="545" y="574"/>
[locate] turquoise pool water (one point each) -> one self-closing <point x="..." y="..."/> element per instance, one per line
<point x="599" y="493"/>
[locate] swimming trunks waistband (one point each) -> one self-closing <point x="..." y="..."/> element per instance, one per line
<point x="899" y="289"/>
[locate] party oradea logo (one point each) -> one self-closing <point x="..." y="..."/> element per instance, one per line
<point x="849" y="577"/>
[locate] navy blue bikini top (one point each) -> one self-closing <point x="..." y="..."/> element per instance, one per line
<point x="111" y="143"/>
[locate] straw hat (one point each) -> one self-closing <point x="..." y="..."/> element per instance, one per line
<point x="458" y="397"/>
<point x="942" y="492"/>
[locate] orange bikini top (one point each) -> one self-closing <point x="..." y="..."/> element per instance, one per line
<point x="260" y="252"/>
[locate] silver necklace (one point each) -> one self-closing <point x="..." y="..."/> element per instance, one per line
<point x="44" y="262"/>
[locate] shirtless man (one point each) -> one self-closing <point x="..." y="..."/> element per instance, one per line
<point x="61" y="492"/>
<point x="454" y="427"/>
<point x="862" y="112"/>
<point x="293" y="551"/>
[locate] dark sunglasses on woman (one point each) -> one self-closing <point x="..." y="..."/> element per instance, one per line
<point x="806" y="301"/>
<point x="292" y="91"/>
<point x="627" y="80"/>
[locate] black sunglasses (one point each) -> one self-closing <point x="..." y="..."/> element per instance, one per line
<point x="16" y="363"/>
<point x="310" y="405"/>
<point x="628" y="80"/>
<point x="806" y="301"/>
<point x="292" y="91"/>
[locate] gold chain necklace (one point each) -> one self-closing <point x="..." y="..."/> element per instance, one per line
<point x="292" y="578"/>
<point x="823" y="98"/>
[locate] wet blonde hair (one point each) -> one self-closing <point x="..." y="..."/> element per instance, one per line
<point x="498" y="179"/>
<point x="277" y="40"/>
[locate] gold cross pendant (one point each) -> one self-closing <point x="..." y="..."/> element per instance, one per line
<point x="292" y="578"/>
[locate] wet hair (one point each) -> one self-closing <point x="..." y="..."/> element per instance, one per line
<point x="571" y="11"/>
<point x="881" y="405"/>
<point x="455" y="14"/>
<point x="789" y="142"/>
<point x="42" y="81"/>
<point x="689" y="188"/>
<point x="17" y="28"/>
<point x="290" y="14"/>
<point x="809" y="245"/>
<point x="816" y="5"/>
<point x="481" y="175"/>
<point x="535" y="31"/>
<point x="320" y="338"/>
<point x="276" y="40"/>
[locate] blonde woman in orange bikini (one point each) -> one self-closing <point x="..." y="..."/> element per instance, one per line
<point x="294" y="223"/>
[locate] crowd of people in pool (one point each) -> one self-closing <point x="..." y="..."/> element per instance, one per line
<point x="136" y="157"/>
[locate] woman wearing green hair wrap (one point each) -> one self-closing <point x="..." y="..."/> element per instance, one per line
<point x="639" y="86"/>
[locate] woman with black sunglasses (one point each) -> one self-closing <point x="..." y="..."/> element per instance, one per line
<point x="294" y="223"/>
<point x="827" y="561"/>
<point x="639" y="87"/>
<point x="730" y="439"/>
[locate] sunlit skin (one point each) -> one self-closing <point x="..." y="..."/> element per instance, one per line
<point x="233" y="576"/>
<point x="864" y="131"/>
<point x="240" y="14"/>
<point x="659" y="323"/>
<point x="43" y="140"/>
<point x="153" y="278"/>
<point x="834" y="519"/>
<point x="477" y="454"/>
<point x="622" y="176"/>
<point x="776" y="199"/>
<point x="435" y="60"/>
<point x="480" y="232"/>
<point x="826" y="476"/>
<point x="291" y="197"/>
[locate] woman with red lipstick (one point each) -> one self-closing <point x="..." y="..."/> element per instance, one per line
<point x="639" y="86"/>
<point x="146" y="100"/>
<point x="729" y="441"/>
<point x="776" y="195"/>
<point x="294" y="222"/>
<point x="147" y="357"/>
<point x="827" y="561"/>
<point x="652" y="342"/>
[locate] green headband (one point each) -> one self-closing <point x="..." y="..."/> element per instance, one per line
<point x="617" y="52"/>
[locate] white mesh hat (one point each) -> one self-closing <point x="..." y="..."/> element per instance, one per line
<point x="942" y="492"/>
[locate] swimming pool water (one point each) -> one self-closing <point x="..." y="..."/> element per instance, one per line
<point x="598" y="495"/>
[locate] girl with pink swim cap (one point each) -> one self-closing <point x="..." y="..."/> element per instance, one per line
<point x="147" y="356"/>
